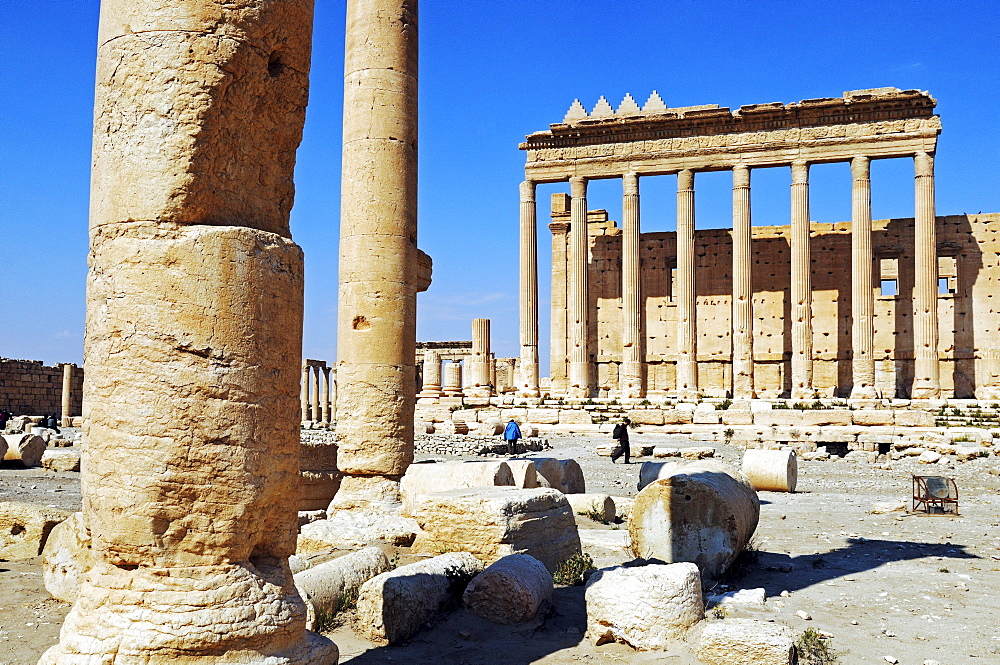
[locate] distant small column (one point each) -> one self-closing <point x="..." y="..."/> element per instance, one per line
<point x="333" y="394"/>
<point x="687" y="315"/>
<point x="304" y="393"/>
<point x="743" y="384"/>
<point x="579" y="315"/>
<point x="630" y="379"/>
<point x="325" y="407"/>
<point x="926" y="374"/>
<point x="558" y="321"/>
<point x="802" y="330"/>
<point x="453" y="379"/>
<point x="862" y="292"/>
<point x="529" y="292"/>
<point x="479" y="361"/>
<point x="314" y="405"/>
<point x="432" y="375"/>
<point x="67" y="395"/>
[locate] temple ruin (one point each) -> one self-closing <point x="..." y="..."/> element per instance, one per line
<point x="756" y="311"/>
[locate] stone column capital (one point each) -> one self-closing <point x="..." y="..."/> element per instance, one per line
<point x="630" y="183"/>
<point x="578" y="187"/>
<point x="800" y="172"/>
<point x="861" y="167"/>
<point x="741" y="176"/>
<point x="685" y="180"/>
<point x="559" y="228"/>
<point x="923" y="164"/>
<point x="528" y="191"/>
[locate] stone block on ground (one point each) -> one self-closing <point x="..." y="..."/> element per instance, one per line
<point x="623" y="506"/>
<point x="544" y="416"/>
<point x="395" y="605"/>
<point x="353" y="529"/>
<point x="746" y="642"/>
<point x="872" y="417"/>
<point x="697" y="452"/>
<point x="702" y="512"/>
<point x="575" y="417"/>
<point x="441" y="476"/>
<point x="601" y="504"/>
<point x="327" y="586"/>
<point x="706" y="417"/>
<point x="646" y="416"/>
<point x="825" y="417"/>
<point x="737" y="417"/>
<point x="66" y="558"/>
<point x="771" y="470"/>
<point x="510" y="590"/>
<point x="663" y="451"/>
<point x="24" y="448"/>
<point x="677" y="417"/>
<point x="564" y="475"/>
<point x="523" y="471"/>
<point x="493" y="522"/>
<point x="646" y="607"/>
<point x="61" y="459"/>
<point x="24" y="528"/>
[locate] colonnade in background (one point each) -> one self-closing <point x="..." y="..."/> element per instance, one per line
<point x="632" y="372"/>
<point x="319" y="392"/>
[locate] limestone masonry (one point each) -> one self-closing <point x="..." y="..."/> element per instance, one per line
<point x="864" y="309"/>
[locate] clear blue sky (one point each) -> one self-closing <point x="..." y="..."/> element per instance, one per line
<point x="491" y="73"/>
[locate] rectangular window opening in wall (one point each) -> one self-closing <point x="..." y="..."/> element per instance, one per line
<point x="943" y="286"/>
<point x="947" y="275"/>
<point x="673" y="284"/>
<point x="888" y="287"/>
<point x="888" y="270"/>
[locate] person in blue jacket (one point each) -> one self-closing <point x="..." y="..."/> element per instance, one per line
<point x="511" y="434"/>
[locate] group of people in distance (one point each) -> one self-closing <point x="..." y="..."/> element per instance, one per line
<point x="512" y="433"/>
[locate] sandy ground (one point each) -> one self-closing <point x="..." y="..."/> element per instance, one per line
<point x="912" y="588"/>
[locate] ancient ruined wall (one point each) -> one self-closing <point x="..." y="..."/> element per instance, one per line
<point x="27" y="387"/>
<point x="969" y="258"/>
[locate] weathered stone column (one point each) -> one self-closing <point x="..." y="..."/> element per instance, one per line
<point x="304" y="393"/>
<point x="862" y="293"/>
<point x="802" y="330"/>
<point x="193" y="338"/>
<point x="558" y="325"/>
<point x="333" y="394"/>
<point x="926" y="382"/>
<point x="579" y="301"/>
<point x="453" y="379"/>
<point x="432" y="374"/>
<point x="376" y="338"/>
<point x="743" y="386"/>
<point x="529" y="292"/>
<point x="325" y="410"/>
<point x="687" y="314"/>
<point x="479" y="362"/>
<point x="630" y="376"/>
<point x="67" y="396"/>
<point x="315" y="407"/>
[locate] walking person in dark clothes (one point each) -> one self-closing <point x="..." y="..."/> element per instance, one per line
<point x="620" y="434"/>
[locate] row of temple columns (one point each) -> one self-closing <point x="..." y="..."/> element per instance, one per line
<point x="319" y="392"/>
<point x="631" y="373"/>
<point x="433" y="386"/>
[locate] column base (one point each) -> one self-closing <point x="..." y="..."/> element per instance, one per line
<point x="925" y="392"/>
<point x="864" y="392"/>
<point x="529" y="392"/>
<point x="432" y="394"/>
<point x="688" y="394"/>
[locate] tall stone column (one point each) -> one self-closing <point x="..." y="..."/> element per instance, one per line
<point x="687" y="315"/>
<point x="529" y="292"/>
<point x="67" y="396"/>
<point x="432" y="374"/>
<point x="926" y="381"/>
<point x="478" y="364"/>
<point x="630" y="377"/>
<point x="314" y="406"/>
<point x="579" y="301"/>
<point x="802" y="330"/>
<point x="304" y="393"/>
<point x="743" y="386"/>
<point x="376" y="338"/>
<point x="558" y="324"/>
<point x="325" y="409"/>
<point x="862" y="292"/>
<point x="453" y="379"/>
<point x="193" y="339"/>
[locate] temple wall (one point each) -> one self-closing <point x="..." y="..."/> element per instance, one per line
<point x="969" y="258"/>
<point x="27" y="387"/>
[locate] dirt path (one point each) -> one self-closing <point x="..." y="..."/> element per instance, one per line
<point x="909" y="587"/>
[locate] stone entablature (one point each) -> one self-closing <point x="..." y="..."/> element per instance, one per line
<point x="878" y="124"/>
